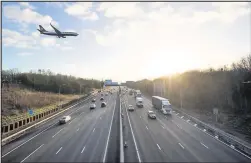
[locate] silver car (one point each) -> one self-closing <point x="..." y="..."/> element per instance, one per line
<point x="151" y="114"/>
<point x="64" y="119"/>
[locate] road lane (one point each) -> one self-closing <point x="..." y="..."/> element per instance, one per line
<point x="27" y="148"/>
<point x="14" y="145"/>
<point x="216" y="151"/>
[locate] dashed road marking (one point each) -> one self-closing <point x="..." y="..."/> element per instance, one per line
<point x="83" y="150"/>
<point x="162" y="126"/>
<point x="158" y="146"/>
<point x="57" y="133"/>
<point x="181" y="146"/>
<point x="31" y="153"/>
<point x="93" y="130"/>
<point x="216" y="137"/>
<point x="177" y="114"/>
<point x="203" y="145"/>
<point x="182" y="117"/>
<point x="146" y="127"/>
<point x="188" y="120"/>
<point x="195" y="125"/>
<point x="77" y="129"/>
<point x="204" y="130"/>
<point x="59" y="150"/>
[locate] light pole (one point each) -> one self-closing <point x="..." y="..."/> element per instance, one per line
<point x="59" y="94"/>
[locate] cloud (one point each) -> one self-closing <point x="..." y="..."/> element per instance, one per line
<point x="82" y="10"/>
<point x="18" y="40"/>
<point x="27" y="15"/>
<point x="121" y="9"/>
<point x="57" y="4"/>
<point x="26" y="5"/>
<point x="24" y="54"/>
<point x="48" y="42"/>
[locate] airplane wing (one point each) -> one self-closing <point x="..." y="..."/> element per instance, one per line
<point x="56" y="30"/>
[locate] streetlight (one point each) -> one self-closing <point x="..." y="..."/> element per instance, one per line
<point x="59" y="94"/>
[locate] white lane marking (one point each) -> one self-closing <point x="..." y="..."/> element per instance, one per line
<point x="140" y="117"/>
<point x="177" y="114"/>
<point x="217" y="138"/>
<point x="31" y="153"/>
<point x="158" y="146"/>
<point x="93" y="130"/>
<point x="100" y="117"/>
<point x="204" y="130"/>
<point x="162" y="126"/>
<point x="106" y="146"/>
<point x="188" y="120"/>
<point x="77" y="129"/>
<point x="57" y="133"/>
<point x="133" y="137"/>
<point x="176" y="124"/>
<point x="146" y="127"/>
<point x="203" y="145"/>
<point x="232" y="146"/>
<point x="59" y="150"/>
<point x="83" y="150"/>
<point x="181" y="146"/>
<point x="182" y="117"/>
<point x="70" y="122"/>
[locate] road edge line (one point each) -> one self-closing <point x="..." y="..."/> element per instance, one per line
<point x="121" y="134"/>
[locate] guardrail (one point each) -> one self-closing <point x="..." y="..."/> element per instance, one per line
<point x="16" y="125"/>
<point x="218" y="134"/>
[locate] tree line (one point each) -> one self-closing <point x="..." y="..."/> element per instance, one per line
<point x="47" y="81"/>
<point x="227" y="88"/>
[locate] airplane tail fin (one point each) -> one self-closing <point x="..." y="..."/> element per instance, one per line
<point x="41" y="29"/>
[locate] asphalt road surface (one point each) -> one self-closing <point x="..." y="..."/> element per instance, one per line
<point x="93" y="136"/>
<point x="83" y="139"/>
<point x="169" y="138"/>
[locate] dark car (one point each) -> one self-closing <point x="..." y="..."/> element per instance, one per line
<point x="94" y="100"/>
<point x="101" y="99"/>
<point x="103" y="104"/>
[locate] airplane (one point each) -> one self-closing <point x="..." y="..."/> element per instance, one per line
<point x="56" y="33"/>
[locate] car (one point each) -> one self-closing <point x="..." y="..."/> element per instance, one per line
<point x="94" y="100"/>
<point x="106" y="94"/>
<point x="151" y="114"/>
<point x="130" y="108"/>
<point x="99" y="91"/>
<point x="92" y="106"/>
<point x="64" y="119"/>
<point x="103" y="104"/>
<point x="101" y="99"/>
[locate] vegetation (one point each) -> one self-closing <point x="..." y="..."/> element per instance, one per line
<point x="39" y="91"/>
<point x="46" y="81"/>
<point x="226" y="88"/>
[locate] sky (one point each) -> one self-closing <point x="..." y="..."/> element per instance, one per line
<point x="125" y="40"/>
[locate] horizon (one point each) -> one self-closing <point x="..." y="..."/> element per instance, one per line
<point x="125" y="41"/>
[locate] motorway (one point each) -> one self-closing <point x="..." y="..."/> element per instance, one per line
<point x="83" y="139"/>
<point x="93" y="136"/>
<point x="169" y="138"/>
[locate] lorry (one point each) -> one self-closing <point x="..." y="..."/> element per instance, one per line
<point x="139" y="102"/>
<point x="162" y="104"/>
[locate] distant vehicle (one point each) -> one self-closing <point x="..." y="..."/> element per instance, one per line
<point x="106" y="94"/>
<point x="162" y="104"/>
<point x="101" y="99"/>
<point x="151" y="114"/>
<point x="99" y="91"/>
<point x="139" y="102"/>
<point x="92" y="106"/>
<point x="64" y="119"/>
<point x="56" y="33"/>
<point x="130" y="108"/>
<point x="130" y="92"/>
<point x="103" y="104"/>
<point x="94" y="100"/>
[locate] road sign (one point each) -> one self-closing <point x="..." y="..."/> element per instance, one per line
<point x="30" y="112"/>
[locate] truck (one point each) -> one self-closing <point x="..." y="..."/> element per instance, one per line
<point x="162" y="104"/>
<point x="139" y="102"/>
<point x="137" y="94"/>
